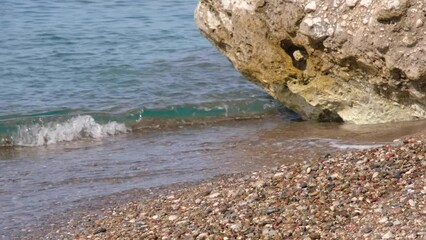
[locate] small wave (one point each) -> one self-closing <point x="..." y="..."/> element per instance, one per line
<point x="76" y="128"/>
<point x="344" y="146"/>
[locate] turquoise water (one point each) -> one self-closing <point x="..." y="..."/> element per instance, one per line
<point x="86" y="64"/>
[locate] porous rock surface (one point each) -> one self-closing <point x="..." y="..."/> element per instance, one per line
<point x="360" y="61"/>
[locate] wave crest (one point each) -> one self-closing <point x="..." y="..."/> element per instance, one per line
<point x="73" y="129"/>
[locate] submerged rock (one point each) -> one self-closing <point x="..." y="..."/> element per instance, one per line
<point x="358" y="61"/>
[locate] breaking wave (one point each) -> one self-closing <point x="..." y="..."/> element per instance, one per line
<point x="76" y="128"/>
<point x="66" y="125"/>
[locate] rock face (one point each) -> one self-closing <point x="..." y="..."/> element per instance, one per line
<point x="360" y="61"/>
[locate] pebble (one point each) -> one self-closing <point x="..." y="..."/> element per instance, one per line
<point x="202" y="235"/>
<point x="214" y="195"/>
<point x="311" y="7"/>
<point x="278" y="175"/>
<point x="271" y="210"/>
<point x="419" y="23"/>
<point x="388" y="235"/>
<point x="100" y="230"/>
<point x="396" y="222"/>
<point x="383" y="220"/>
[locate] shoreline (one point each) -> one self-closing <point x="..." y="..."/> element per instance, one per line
<point x="377" y="193"/>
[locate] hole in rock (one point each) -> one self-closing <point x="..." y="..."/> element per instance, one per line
<point x="397" y="74"/>
<point x="329" y="116"/>
<point x="389" y="20"/>
<point x="298" y="54"/>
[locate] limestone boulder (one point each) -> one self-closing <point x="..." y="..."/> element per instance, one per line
<point x="359" y="61"/>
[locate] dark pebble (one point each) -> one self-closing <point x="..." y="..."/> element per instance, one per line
<point x="397" y="175"/>
<point x="100" y="230"/>
<point x="375" y="166"/>
<point x="271" y="210"/>
<point x="389" y="224"/>
<point x="303" y="185"/>
<point x="330" y="186"/>
<point x="206" y="192"/>
<point x="315" y="236"/>
<point x="367" y="230"/>
<point x="140" y="226"/>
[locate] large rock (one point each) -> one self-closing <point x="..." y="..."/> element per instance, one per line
<point x="360" y="61"/>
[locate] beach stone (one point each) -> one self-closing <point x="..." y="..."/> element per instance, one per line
<point x="315" y="236"/>
<point x="351" y="3"/>
<point x="279" y="175"/>
<point x="358" y="61"/>
<point x="375" y="175"/>
<point x="100" y="230"/>
<point x="236" y="227"/>
<point x="388" y="224"/>
<point x="214" y="195"/>
<point x="203" y="235"/>
<point x="383" y="220"/>
<point x="271" y="210"/>
<point x="311" y="7"/>
<point x="388" y="235"/>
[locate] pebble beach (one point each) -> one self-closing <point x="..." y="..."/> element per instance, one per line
<point x="378" y="193"/>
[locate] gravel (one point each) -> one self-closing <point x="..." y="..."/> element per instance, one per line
<point x="379" y="193"/>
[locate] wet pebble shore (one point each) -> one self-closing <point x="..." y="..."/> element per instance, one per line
<point x="378" y="193"/>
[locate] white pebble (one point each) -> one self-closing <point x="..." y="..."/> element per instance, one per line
<point x="383" y="220"/>
<point x="351" y="3"/>
<point x="388" y="235"/>
<point x="278" y="175"/>
<point x="419" y="23"/>
<point x="311" y="7"/>
<point x="214" y="195"/>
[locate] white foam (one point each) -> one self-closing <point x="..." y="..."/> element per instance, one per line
<point x="354" y="146"/>
<point x="73" y="129"/>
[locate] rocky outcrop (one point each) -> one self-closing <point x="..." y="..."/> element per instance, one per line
<point x="360" y="61"/>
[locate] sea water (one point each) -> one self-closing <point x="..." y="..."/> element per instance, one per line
<point x="99" y="97"/>
<point x="67" y="66"/>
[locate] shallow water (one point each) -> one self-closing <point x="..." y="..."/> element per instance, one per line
<point x="36" y="182"/>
